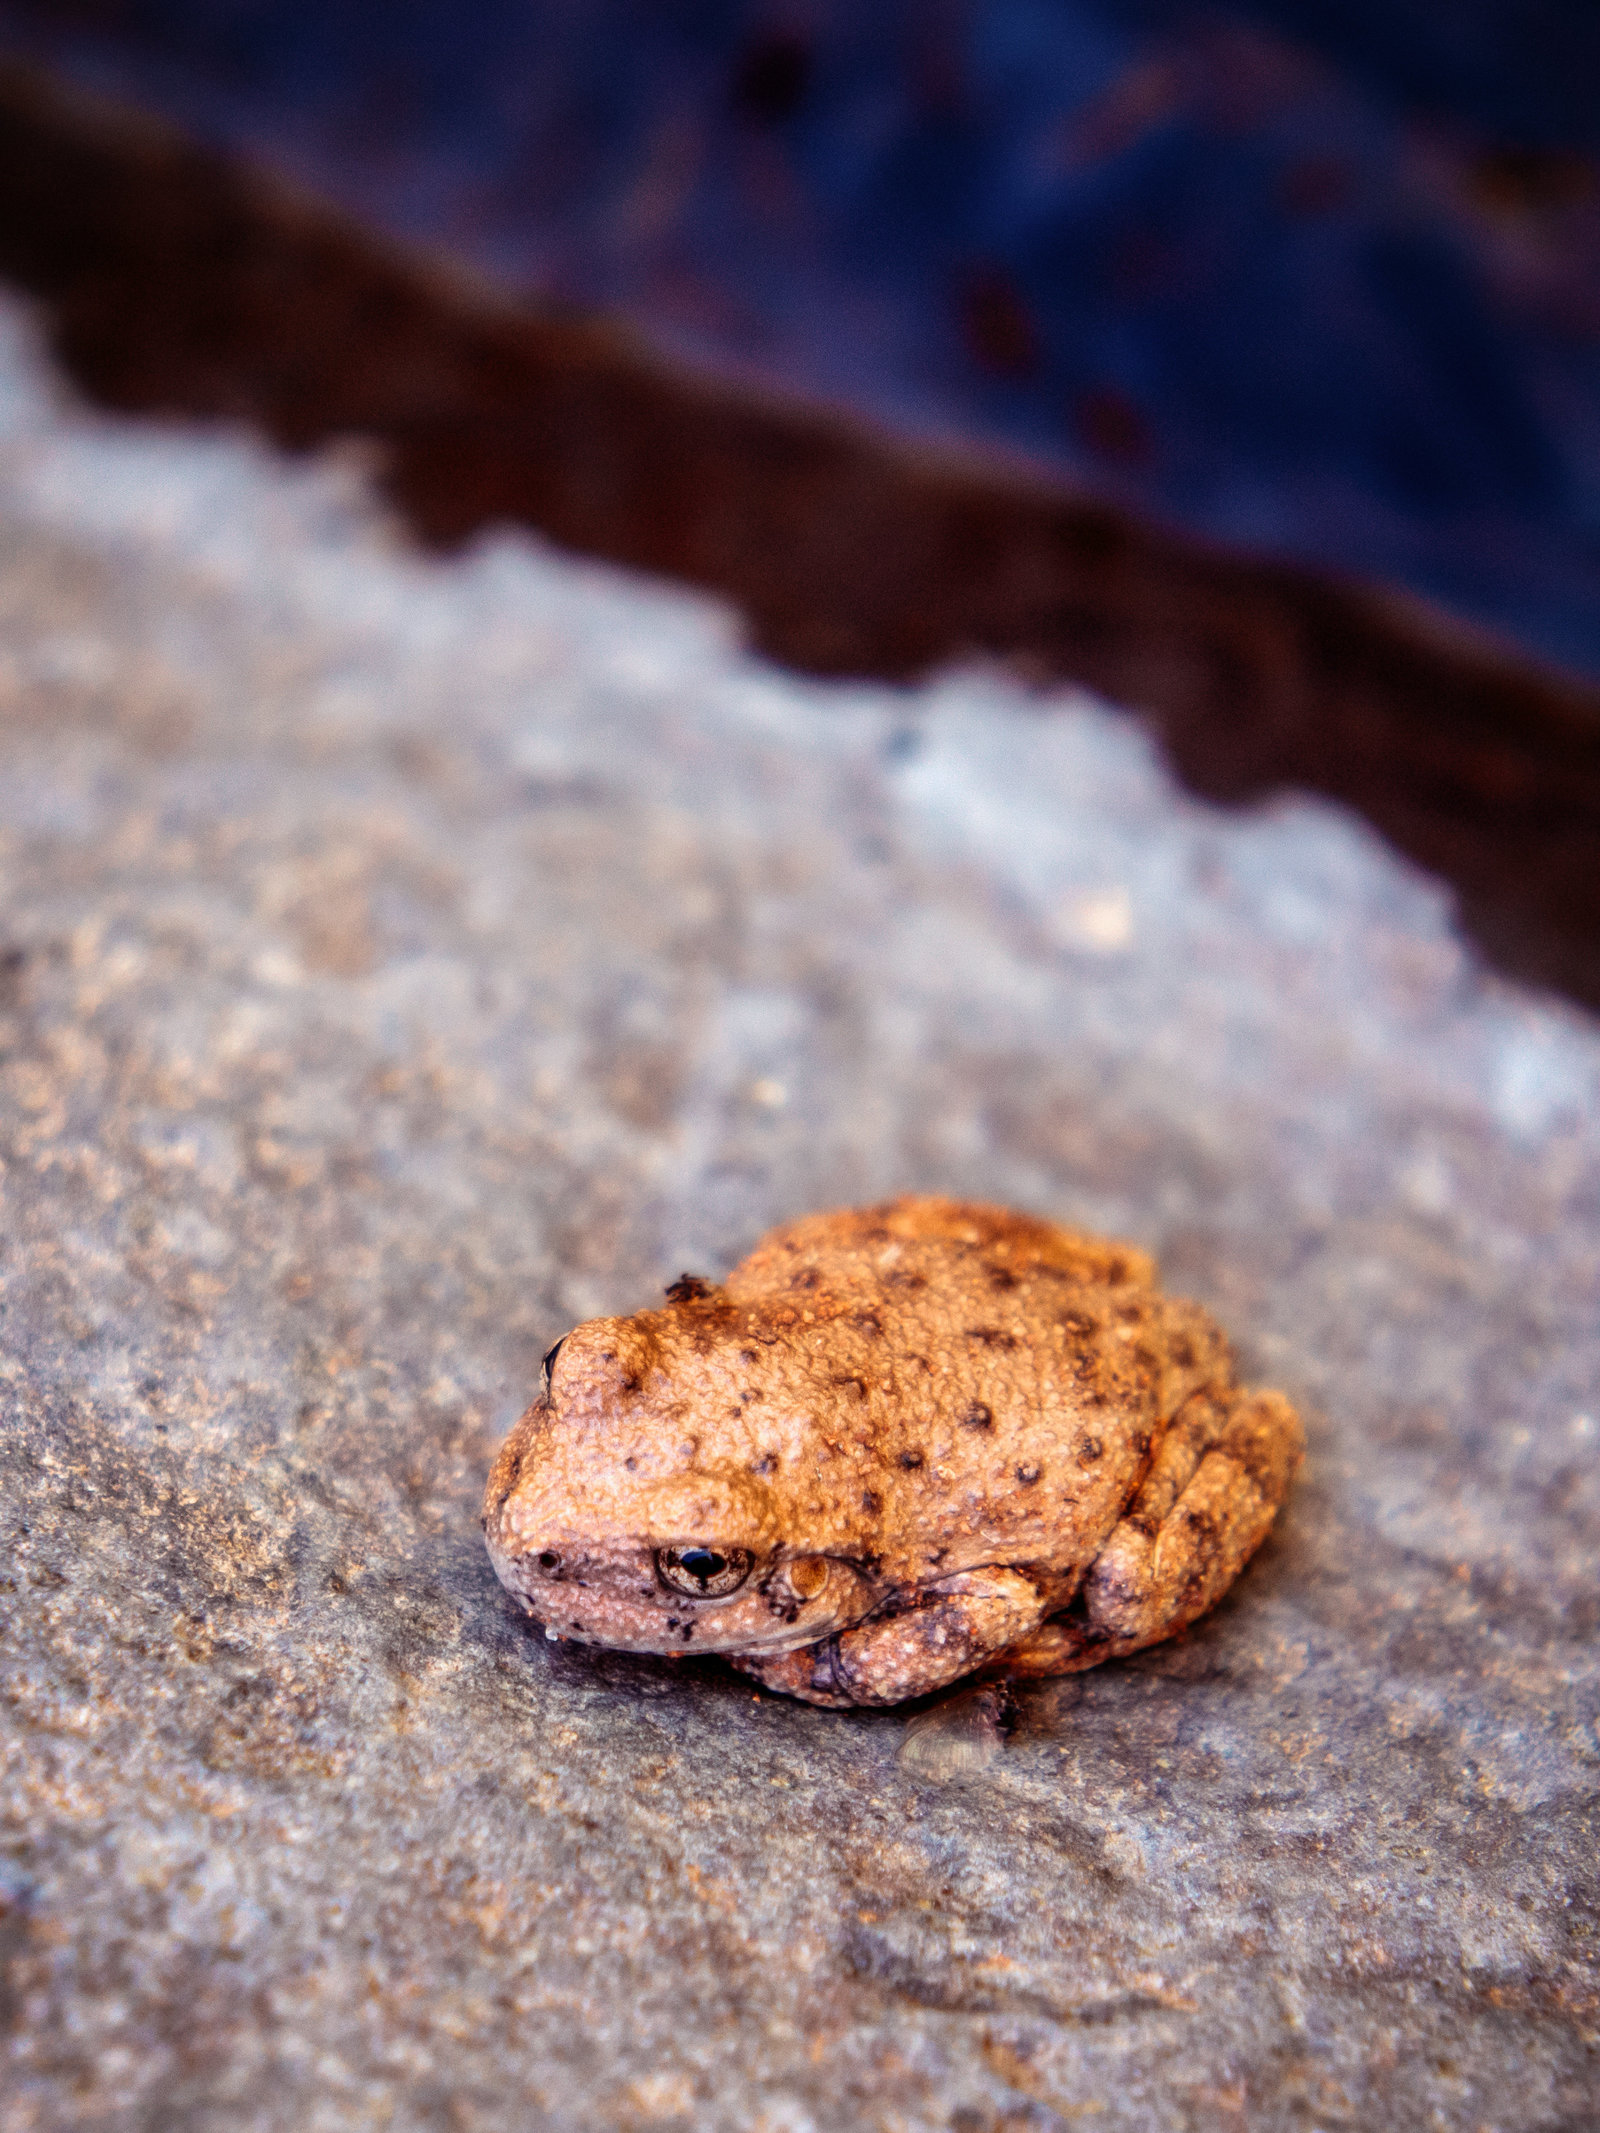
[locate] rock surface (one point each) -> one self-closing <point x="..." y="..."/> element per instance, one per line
<point x="401" y="960"/>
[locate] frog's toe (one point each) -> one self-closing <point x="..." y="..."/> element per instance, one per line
<point x="806" y="1673"/>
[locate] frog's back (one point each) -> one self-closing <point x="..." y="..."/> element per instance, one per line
<point x="850" y="1243"/>
<point x="986" y="1387"/>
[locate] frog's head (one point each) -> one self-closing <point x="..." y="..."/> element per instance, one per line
<point x="614" y="1524"/>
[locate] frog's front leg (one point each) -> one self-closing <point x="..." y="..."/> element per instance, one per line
<point x="943" y="1633"/>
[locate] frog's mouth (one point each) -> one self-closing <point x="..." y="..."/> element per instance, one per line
<point x="691" y="1563"/>
<point x="677" y="1597"/>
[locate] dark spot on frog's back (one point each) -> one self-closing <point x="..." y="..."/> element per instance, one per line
<point x="991" y="1337"/>
<point x="911" y="1460"/>
<point x="807" y="1278"/>
<point x="688" y="1288"/>
<point x="623" y="1372"/>
<point x="852" y="1384"/>
<point x="977" y="1416"/>
<point x="904" y="1278"/>
<point x="1001" y="1277"/>
<point x="1028" y="1475"/>
<point x="766" y="1464"/>
<point x="1090" y="1449"/>
<point x="867" y="1322"/>
<point x="871" y="1500"/>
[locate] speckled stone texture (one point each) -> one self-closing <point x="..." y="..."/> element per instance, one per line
<point x="401" y="960"/>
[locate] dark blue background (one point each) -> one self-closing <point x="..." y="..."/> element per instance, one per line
<point x="1322" y="276"/>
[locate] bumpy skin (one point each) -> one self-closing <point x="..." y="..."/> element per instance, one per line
<point x="945" y="1438"/>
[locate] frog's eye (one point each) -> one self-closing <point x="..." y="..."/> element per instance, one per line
<point x="705" y="1573"/>
<point x="550" y="1355"/>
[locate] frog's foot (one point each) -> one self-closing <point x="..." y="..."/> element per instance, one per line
<point x="1215" y="1486"/>
<point x="806" y="1673"/>
<point x="944" y="1633"/>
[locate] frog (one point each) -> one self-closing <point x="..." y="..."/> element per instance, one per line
<point x="897" y="1446"/>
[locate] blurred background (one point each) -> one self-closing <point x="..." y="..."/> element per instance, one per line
<point x="1140" y="301"/>
<point x="1321" y="276"/>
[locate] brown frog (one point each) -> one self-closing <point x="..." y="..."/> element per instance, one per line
<point x="897" y="1445"/>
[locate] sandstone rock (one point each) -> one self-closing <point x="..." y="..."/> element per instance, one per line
<point x="402" y="959"/>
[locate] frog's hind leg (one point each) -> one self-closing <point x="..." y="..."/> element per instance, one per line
<point x="1216" y="1484"/>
